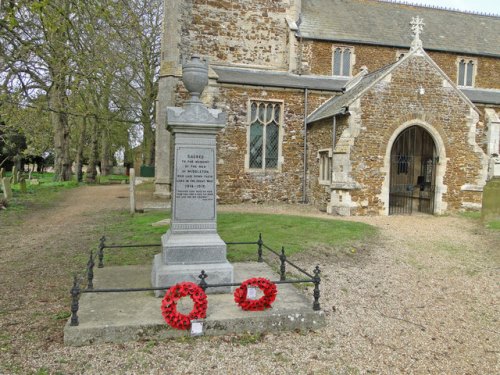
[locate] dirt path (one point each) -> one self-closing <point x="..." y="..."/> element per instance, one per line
<point x="420" y="298"/>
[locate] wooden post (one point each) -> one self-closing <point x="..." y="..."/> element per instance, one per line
<point x="132" y="190"/>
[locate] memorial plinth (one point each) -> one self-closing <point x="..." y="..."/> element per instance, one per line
<point x="192" y="243"/>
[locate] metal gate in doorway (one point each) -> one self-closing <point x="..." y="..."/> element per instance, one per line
<point x="412" y="173"/>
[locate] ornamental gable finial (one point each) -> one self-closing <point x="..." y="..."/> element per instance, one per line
<point x="417" y="26"/>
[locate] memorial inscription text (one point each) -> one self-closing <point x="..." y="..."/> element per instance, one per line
<point x="195" y="183"/>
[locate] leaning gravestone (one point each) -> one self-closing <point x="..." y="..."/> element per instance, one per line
<point x="192" y="243"/>
<point x="7" y="190"/>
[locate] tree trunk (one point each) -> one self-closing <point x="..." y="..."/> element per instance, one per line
<point x="148" y="143"/>
<point x="105" y="153"/>
<point x="91" y="169"/>
<point x="79" y="152"/>
<point x="59" y="119"/>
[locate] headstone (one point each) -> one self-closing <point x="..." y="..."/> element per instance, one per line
<point x="494" y="167"/>
<point x="22" y="185"/>
<point x="132" y="190"/>
<point x="491" y="200"/>
<point x="14" y="175"/>
<point x="192" y="243"/>
<point x="7" y="190"/>
<point x="34" y="181"/>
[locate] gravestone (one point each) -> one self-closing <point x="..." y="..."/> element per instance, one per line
<point x="192" y="243"/>
<point x="14" y="175"/>
<point x="7" y="190"/>
<point x="22" y="185"/>
<point x="491" y="200"/>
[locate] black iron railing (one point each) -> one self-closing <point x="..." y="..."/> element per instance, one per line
<point x="77" y="290"/>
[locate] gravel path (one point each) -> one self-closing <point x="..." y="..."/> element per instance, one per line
<point x="422" y="297"/>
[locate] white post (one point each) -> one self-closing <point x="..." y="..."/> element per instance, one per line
<point x="132" y="190"/>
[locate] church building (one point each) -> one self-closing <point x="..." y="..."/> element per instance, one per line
<point x="359" y="107"/>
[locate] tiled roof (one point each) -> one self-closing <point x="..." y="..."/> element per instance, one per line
<point x="385" y="23"/>
<point x="255" y="77"/>
<point x="482" y="96"/>
<point x="338" y="104"/>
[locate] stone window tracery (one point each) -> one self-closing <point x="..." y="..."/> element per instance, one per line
<point x="342" y="61"/>
<point x="264" y="134"/>
<point x="466" y="72"/>
<point x="325" y="166"/>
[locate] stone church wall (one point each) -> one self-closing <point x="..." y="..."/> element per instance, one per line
<point x="319" y="59"/>
<point x="237" y="183"/>
<point x="388" y="105"/>
<point x="319" y="138"/>
<point x="251" y="32"/>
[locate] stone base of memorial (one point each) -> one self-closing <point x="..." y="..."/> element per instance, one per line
<point x="192" y="243"/>
<point x="205" y="252"/>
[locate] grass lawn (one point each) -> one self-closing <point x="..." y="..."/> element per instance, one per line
<point x="295" y="233"/>
<point x="476" y="215"/>
<point x="41" y="193"/>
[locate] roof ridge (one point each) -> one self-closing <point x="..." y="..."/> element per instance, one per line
<point x="402" y="2"/>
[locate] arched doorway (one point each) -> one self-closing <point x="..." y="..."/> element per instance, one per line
<point x="412" y="172"/>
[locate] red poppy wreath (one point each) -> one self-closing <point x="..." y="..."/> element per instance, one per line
<point x="169" y="305"/>
<point x="268" y="288"/>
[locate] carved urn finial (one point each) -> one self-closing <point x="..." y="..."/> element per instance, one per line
<point x="195" y="77"/>
<point x="417" y="26"/>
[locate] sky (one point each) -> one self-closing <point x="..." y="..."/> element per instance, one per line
<point x="484" y="6"/>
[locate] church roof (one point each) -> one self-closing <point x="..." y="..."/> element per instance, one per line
<point x="338" y="104"/>
<point x="267" y="78"/>
<point x="387" y="23"/>
<point x="482" y="96"/>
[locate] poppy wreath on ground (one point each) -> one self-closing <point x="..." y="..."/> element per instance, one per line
<point x="268" y="288"/>
<point x="169" y="305"/>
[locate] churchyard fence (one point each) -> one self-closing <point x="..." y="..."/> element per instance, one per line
<point x="88" y="282"/>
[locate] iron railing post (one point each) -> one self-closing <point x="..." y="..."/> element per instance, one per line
<point x="75" y="297"/>
<point x="203" y="284"/>
<point x="283" y="264"/>
<point x="90" y="271"/>
<point x="259" y="249"/>
<point x="102" y="245"/>
<point x="316" y="280"/>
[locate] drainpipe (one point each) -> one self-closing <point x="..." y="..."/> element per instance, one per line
<point x="304" y="181"/>
<point x="334" y="135"/>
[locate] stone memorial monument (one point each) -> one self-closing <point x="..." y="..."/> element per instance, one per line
<point x="192" y="243"/>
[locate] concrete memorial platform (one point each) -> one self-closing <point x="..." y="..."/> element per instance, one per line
<point x="131" y="316"/>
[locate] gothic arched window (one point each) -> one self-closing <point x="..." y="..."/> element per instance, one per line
<point x="466" y="72"/>
<point x="342" y="61"/>
<point x="264" y="135"/>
